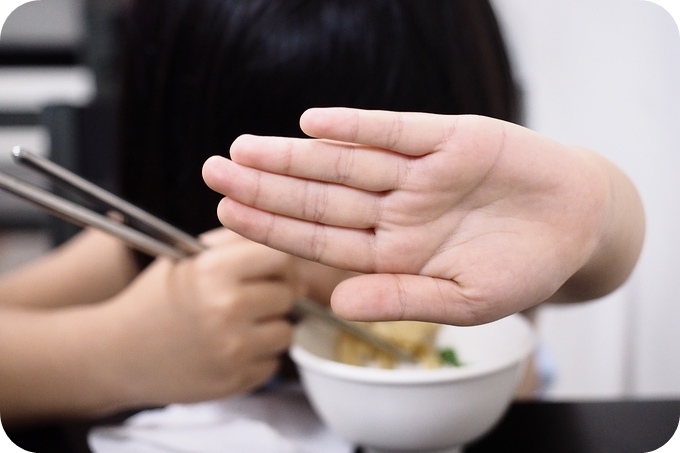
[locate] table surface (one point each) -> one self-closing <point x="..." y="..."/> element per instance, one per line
<point x="636" y="426"/>
<point x="592" y="427"/>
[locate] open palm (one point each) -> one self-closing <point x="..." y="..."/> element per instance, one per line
<point x="457" y="219"/>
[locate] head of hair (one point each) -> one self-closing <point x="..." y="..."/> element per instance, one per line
<point x="198" y="73"/>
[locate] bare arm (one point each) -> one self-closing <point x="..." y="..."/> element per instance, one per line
<point x="207" y="326"/>
<point x="91" y="267"/>
<point x="54" y="364"/>
<point x="619" y="241"/>
<point x="459" y="219"/>
<point x="52" y="331"/>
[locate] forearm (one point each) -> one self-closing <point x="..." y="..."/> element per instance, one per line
<point x="619" y="241"/>
<point x="91" y="267"/>
<point x="56" y="364"/>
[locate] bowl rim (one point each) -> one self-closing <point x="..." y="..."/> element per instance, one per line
<point x="414" y="376"/>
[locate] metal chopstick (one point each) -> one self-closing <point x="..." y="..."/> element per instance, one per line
<point x="81" y="216"/>
<point x="308" y="307"/>
<point x="180" y="243"/>
<point x="133" y="214"/>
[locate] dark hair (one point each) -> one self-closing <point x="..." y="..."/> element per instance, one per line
<point x="198" y="73"/>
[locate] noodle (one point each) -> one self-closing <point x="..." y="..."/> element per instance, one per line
<point x="414" y="336"/>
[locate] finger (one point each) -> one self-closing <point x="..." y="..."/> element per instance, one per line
<point x="345" y="248"/>
<point x="387" y="297"/>
<point x="292" y="197"/>
<point x="251" y="376"/>
<point x="219" y="237"/>
<point x="270" y="339"/>
<point x="413" y="134"/>
<point x="247" y="260"/>
<point x="263" y="300"/>
<point x="347" y="164"/>
<point x="257" y="375"/>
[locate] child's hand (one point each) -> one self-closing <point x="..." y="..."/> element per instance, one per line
<point x="203" y="327"/>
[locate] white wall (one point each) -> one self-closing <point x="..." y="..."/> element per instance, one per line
<point x="606" y="74"/>
<point x="46" y="23"/>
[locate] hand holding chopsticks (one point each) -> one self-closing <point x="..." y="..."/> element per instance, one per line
<point x="140" y="229"/>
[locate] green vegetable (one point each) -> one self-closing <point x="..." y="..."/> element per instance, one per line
<point x="449" y="357"/>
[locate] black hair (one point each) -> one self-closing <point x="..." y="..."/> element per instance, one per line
<point x="198" y="73"/>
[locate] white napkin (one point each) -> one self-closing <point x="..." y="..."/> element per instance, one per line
<point x="275" y="421"/>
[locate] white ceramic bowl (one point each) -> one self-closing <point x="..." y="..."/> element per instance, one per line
<point x="423" y="410"/>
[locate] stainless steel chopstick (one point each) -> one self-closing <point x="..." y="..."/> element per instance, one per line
<point x="156" y="237"/>
<point x="133" y="214"/>
<point x="81" y="216"/>
<point x="309" y="307"/>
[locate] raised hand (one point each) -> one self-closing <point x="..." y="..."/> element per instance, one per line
<point x="456" y="219"/>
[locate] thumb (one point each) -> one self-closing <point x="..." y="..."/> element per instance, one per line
<point x="392" y="297"/>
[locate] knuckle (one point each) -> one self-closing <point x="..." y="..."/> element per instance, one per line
<point x="318" y="243"/>
<point x="395" y="131"/>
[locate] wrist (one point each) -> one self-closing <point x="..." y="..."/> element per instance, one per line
<point x="617" y="235"/>
<point x="59" y="371"/>
<point x="111" y="352"/>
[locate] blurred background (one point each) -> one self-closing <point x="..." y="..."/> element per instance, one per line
<point x="604" y="74"/>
